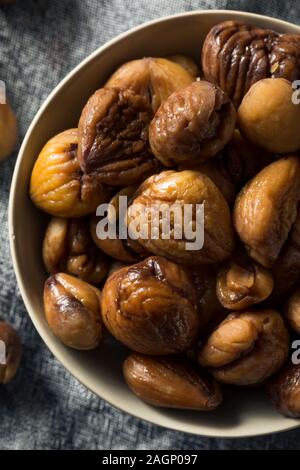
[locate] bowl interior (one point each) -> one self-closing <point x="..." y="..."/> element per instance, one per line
<point x="243" y="413"/>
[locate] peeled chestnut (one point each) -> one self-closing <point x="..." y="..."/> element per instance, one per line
<point x="235" y="55"/>
<point x="292" y="311"/>
<point x="151" y="307"/>
<point x="193" y="124"/>
<point x="113" y="142"/>
<point x="171" y="382"/>
<point x="266" y="209"/>
<point x="177" y="191"/>
<point x="242" y="283"/>
<point x="10" y="352"/>
<point x="8" y="131"/>
<point x="117" y="247"/>
<point x="187" y="63"/>
<point x="153" y="78"/>
<point x="234" y="166"/>
<point x="269" y="117"/>
<point x="68" y="247"/>
<point x="284" y="390"/>
<point x="246" y="348"/>
<point x="57" y="184"/>
<point x="72" y="310"/>
<point x="286" y="269"/>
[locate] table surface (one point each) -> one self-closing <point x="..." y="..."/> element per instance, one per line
<point x="45" y="407"/>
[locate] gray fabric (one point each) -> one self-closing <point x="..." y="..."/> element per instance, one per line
<point x="45" y="407"/>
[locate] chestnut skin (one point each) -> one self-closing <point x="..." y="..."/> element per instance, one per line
<point x="246" y="348"/>
<point x="113" y="142"/>
<point x="171" y="382"/>
<point x="284" y="390"/>
<point x="154" y="78"/>
<point x="269" y="118"/>
<point x="68" y="247"/>
<point x="13" y="351"/>
<point x="266" y="209"/>
<point x="193" y="124"/>
<point x="150" y="307"/>
<point x="242" y="283"/>
<point x="176" y="188"/>
<point x="57" y="184"/>
<point x="292" y="311"/>
<point x="72" y="310"/>
<point x="8" y="131"/>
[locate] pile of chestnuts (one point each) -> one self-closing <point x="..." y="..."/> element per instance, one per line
<point x="226" y="135"/>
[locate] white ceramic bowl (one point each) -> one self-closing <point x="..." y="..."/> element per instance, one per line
<point x="243" y="413"/>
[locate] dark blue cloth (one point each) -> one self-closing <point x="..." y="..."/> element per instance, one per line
<point x="45" y="407"/>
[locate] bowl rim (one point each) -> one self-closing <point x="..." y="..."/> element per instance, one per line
<point x="281" y="24"/>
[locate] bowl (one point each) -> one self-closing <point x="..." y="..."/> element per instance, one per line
<point x="243" y="413"/>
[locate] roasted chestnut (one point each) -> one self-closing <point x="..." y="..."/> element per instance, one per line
<point x="284" y="390"/>
<point x="266" y="209"/>
<point x="72" y="310"/>
<point x="246" y="348"/>
<point x="171" y="382"/>
<point x="237" y="163"/>
<point x="242" y="283"/>
<point x="8" y="131"/>
<point x="57" y="184"/>
<point x="161" y="206"/>
<point x="269" y="117"/>
<point x="187" y="63"/>
<point x="10" y="352"/>
<point x="151" y="307"/>
<point x="193" y="124"/>
<point x="153" y="78"/>
<point x="286" y="269"/>
<point x="113" y="142"/>
<point x="235" y="55"/>
<point x="122" y="249"/>
<point x="68" y="247"/>
<point x="292" y="311"/>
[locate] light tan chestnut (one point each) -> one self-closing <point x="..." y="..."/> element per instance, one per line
<point x="266" y="209"/>
<point x="151" y="307"/>
<point x="13" y="352"/>
<point x="72" y="310"/>
<point x="153" y="78"/>
<point x="174" y="190"/>
<point x="171" y="382"/>
<point x="246" y="348"/>
<point x="57" y="184"/>
<point x="269" y="116"/>
<point x="193" y="124"/>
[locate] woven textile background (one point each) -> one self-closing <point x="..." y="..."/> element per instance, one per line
<point x="45" y="407"/>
